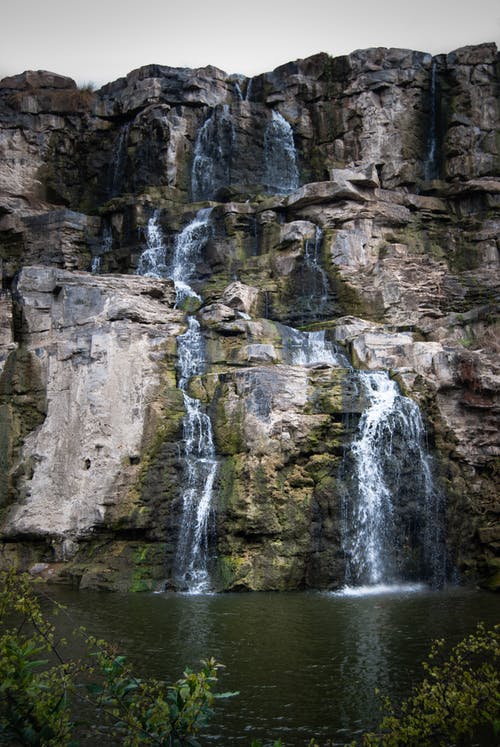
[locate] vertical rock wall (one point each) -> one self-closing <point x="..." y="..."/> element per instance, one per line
<point x="390" y="244"/>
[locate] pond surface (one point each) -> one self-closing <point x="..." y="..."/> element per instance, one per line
<point x="306" y="663"/>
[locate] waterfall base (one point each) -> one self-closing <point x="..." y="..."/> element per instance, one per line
<point x="380" y="589"/>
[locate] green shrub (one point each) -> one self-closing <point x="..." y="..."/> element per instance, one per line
<point x="39" y="690"/>
<point x="459" y="694"/>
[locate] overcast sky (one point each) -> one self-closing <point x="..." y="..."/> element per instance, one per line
<point x="100" y="40"/>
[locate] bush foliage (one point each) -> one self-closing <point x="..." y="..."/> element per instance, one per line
<point x="40" y="692"/>
<point x="459" y="694"/>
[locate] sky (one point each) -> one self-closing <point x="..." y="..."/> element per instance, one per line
<point x="96" y="41"/>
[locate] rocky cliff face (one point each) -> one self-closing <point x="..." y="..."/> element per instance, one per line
<point x="356" y="195"/>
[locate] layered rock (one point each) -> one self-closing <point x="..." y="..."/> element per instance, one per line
<point x="391" y="244"/>
<point x="83" y="397"/>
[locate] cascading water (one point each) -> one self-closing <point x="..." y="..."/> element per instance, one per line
<point x="202" y="172"/>
<point x="211" y="167"/>
<point x="312" y="260"/>
<point x="200" y="467"/>
<point x="310" y="348"/>
<point x="315" y="281"/>
<point x="187" y="248"/>
<point x="248" y="92"/>
<point x="281" y="173"/>
<point x="191" y="565"/>
<point x="118" y="164"/>
<point x="431" y="166"/>
<point x="237" y="91"/>
<point x="152" y="260"/>
<point x="392" y="526"/>
<point x="392" y="511"/>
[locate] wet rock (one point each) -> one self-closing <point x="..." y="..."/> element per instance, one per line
<point x="390" y="243"/>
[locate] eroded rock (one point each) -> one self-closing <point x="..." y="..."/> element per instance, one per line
<point x="97" y="345"/>
<point x="389" y="243"/>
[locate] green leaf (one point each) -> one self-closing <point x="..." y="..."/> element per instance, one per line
<point x="94" y="689"/>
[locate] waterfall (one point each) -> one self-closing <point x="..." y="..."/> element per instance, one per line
<point x="152" y="260"/>
<point x="310" y="349"/>
<point x="200" y="468"/>
<point x="237" y="91"/>
<point x="199" y="462"/>
<point x="431" y="166"/>
<point x="105" y="248"/>
<point x="202" y="172"/>
<point x="312" y="260"/>
<point x="186" y="252"/>
<point x="211" y="167"/>
<point x="392" y="525"/>
<point x="315" y="279"/>
<point x="117" y="170"/>
<point x="248" y="92"/>
<point x="281" y="173"/>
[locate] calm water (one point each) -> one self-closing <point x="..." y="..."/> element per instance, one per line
<point x="306" y="663"/>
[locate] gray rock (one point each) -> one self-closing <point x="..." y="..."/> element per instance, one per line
<point x="398" y="160"/>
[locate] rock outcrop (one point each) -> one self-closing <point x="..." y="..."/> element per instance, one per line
<point x="390" y="244"/>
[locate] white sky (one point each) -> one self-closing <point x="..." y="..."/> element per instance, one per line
<point x="100" y="40"/>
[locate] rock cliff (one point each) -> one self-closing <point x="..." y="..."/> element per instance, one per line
<point x="357" y="196"/>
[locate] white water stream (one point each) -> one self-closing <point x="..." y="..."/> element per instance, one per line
<point x="281" y="173"/>
<point x="319" y="284"/>
<point x="191" y="571"/>
<point x="310" y="349"/>
<point x="188" y="245"/>
<point x="393" y="498"/>
<point x="211" y="168"/>
<point x="191" y="567"/>
<point x="200" y="467"/>
<point x="152" y="260"/>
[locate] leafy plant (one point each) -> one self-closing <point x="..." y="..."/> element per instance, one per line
<point x="150" y="712"/>
<point x="39" y="689"/>
<point x="34" y="694"/>
<point x="458" y="695"/>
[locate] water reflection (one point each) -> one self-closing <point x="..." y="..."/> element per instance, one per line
<point x="365" y="665"/>
<point x="194" y="633"/>
<point x="306" y="664"/>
